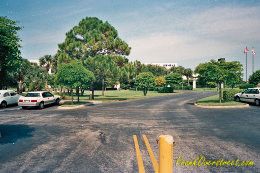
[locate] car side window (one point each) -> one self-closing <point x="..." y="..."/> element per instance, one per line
<point x="255" y="91"/>
<point x="6" y="94"/>
<point x="13" y="94"/>
<point x="44" y="95"/>
<point x="247" y="91"/>
<point x="49" y="95"/>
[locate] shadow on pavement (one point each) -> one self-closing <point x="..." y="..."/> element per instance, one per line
<point x="11" y="133"/>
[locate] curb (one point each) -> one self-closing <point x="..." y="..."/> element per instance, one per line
<point x="80" y="106"/>
<point x="221" y="107"/>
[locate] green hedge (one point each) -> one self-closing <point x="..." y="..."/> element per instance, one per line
<point x="228" y="95"/>
<point x="246" y="86"/>
<point x="190" y="87"/>
<point x="164" y="90"/>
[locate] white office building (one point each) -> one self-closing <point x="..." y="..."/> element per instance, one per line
<point x="166" y="65"/>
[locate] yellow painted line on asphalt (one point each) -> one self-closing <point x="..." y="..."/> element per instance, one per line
<point x="139" y="156"/>
<point x="150" y="151"/>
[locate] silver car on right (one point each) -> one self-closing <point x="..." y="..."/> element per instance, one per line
<point x="251" y="95"/>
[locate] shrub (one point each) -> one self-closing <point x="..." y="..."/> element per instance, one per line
<point x="228" y="95"/>
<point x="188" y="87"/>
<point x="246" y="86"/>
<point x="164" y="89"/>
<point x="125" y="86"/>
<point x="108" y="89"/>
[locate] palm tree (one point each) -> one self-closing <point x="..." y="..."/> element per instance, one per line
<point x="46" y="61"/>
<point x="188" y="73"/>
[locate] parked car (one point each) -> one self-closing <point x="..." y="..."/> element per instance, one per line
<point x="38" y="99"/>
<point x="251" y="95"/>
<point x="8" y="97"/>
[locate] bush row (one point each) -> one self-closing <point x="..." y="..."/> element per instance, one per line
<point x="246" y="86"/>
<point x="228" y="95"/>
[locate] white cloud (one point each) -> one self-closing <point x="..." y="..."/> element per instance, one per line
<point x="171" y="48"/>
<point x="213" y="33"/>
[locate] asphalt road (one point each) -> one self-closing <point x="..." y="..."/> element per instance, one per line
<point x="99" y="138"/>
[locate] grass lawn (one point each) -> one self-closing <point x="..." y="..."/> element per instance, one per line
<point x="118" y="95"/>
<point x="214" y="101"/>
<point x="205" y="89"/>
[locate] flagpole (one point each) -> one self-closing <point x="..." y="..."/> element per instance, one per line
<point x="246" y="66"/>
<point x="253" y="61"/>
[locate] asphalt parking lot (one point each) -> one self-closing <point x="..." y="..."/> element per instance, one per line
<point x="99" y="138"/>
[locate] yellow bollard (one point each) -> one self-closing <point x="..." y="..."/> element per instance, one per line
<point x="165" y="153"/>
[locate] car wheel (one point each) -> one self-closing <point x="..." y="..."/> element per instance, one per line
<point x="3" y="104"/>
<point x="237" y="99"/>
<point x="24" y="107"/>
<point x="257" y="102"/>
<point x="41" y="105"/>
<point x="57" y="101"/>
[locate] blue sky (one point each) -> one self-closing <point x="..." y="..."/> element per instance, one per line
<point x="187" y="32"/>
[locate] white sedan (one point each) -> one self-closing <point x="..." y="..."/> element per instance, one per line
<point x="251" y="95"/>
<point x="39" y="99"/>
<point x="8" y="97"/>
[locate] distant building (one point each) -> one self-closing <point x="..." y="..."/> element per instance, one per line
<point x="34" y="61"/>
<point x="166" y="65"/>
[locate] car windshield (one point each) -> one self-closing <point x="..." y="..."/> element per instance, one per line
<point x="32" y="95"/>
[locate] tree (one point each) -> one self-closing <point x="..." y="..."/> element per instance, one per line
<point x="34" y="79"/>
<point x="9" y="49"/>
<point x="156" y="70"/>
<point x="160" y="80"/>
<point x="89" y="38"/>
<point x="255" y="78"/>
<point x="73" y="75"/>
<point x="188" y="73"/>
<point x="21" y="72"/>
<point x="104" y="68"/>
<point x="46" y="61"/>
<point x="179" y="70"/>
<point x="145" y="81"/>
<point x="219" y="72"/>
<point x="173" y="79"/>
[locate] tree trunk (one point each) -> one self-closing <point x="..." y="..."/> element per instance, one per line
<point x="60" y="91"/>
<point x="91" y="94"/>
<point x="103" y="86"/>
<point x="188" y="80"/>
<point x="77" y="92"/>
<point x="47" y="79"/>
<point x="182" y="85"/>
<point x="82" y="91"/>
<point x="145" y="92"/>
<point x="19" y="88"/>
<point x="71" y="92"/>
<point x="220" y="92"/>
<point x="64" y="91"/>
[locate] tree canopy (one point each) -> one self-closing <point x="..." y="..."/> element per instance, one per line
<point x="145" y="81"/>
<point x="9" y="48"/>
<point x="255" y="78"/>
<point x="220" y="72"/>
<point x="74" y="74"/>
<point x="173" y="79"/>
<point x="92" y="37"/>
<point x="104" y="69"/>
